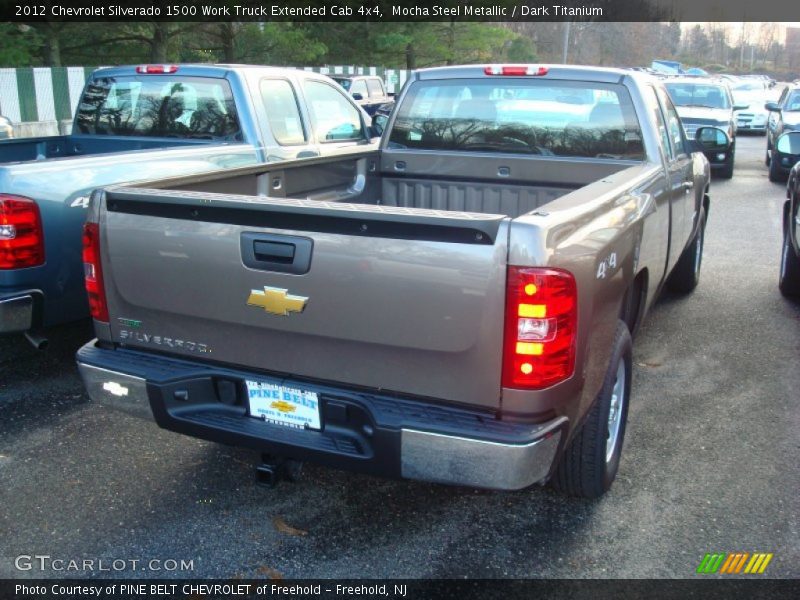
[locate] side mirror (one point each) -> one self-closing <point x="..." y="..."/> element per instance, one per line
<point x="357" y="96"/>
<point x="712" y="138"/>
<point x="378" y="125"/>
<point x="740" y="106"/>
<point x="772" y="107"/>
<point x="788" y="143"/>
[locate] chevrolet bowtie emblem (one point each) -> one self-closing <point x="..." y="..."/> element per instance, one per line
<point x="276" y="301"/>
<point x="283" y="407"/>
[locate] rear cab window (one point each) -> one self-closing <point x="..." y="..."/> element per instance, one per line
<point x="159" y="106"/>
<point x="520" y="116"/>
<point x="283" y="112"/>
<point x="345" y="82"/>
<point x="375" y="88"/>
<point x="676" y="131"/>
<point x="664" y="136"/>
<point x="359" y="86"/>
<point x="333" y="117"/>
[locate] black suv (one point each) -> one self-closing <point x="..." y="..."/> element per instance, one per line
<point x="703" y="102"/>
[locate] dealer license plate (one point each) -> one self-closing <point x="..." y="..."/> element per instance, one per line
<point x="283" y="405"/>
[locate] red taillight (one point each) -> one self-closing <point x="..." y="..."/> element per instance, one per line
<point x="541" y="318"/>
<point x="156" y="69"/>
<point x="515" y="70"/>
<point x="93" y="272"/>
<point x="21" y="237"/>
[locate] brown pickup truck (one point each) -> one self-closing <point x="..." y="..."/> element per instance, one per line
<point x="456" y="306"/>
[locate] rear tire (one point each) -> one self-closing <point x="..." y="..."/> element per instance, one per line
<point x="591" y="461"/>
<point x="789" y="281"/>
<point x="727" y="171"/>
<point x="686" y="274"/>
<point x="775" y="173"/>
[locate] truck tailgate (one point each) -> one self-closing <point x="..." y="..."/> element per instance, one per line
<point x="403" y="300"/>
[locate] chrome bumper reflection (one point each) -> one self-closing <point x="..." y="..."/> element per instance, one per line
<point x="470" y="462"/>
<point x="116" y="390"/>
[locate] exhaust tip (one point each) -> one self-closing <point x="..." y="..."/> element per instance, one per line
<point x="273" y="470"/>
<point x="267" y="475"/>
<point x="37" y="341"/>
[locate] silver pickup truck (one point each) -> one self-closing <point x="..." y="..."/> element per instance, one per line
<point x="456" y="306"/>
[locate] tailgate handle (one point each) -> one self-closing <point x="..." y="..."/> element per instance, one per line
<point x="280" y="253"/>
<point x="273" y="251"/>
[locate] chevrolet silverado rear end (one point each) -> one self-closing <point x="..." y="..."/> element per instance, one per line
<point x="452" y="307"/>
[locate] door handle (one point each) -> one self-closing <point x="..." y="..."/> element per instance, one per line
<point x="687" y="186"/>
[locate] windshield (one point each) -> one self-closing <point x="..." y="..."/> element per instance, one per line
<point x="748" y="86"/>
<point x="793" y="102"/>
<point x="344" y="82"/>
<point x="519" y="116"/>
<point x="159" y="106"/>
<point x="698" y="94"/>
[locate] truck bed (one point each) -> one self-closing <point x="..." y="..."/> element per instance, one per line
<point x="508" y="186"/>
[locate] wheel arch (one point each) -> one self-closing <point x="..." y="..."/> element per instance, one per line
<point x="634" y="301"/>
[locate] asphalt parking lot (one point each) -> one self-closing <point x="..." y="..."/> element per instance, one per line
<point x="709" y="465"/>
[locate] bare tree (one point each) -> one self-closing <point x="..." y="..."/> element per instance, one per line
<point x="767" y="32"/>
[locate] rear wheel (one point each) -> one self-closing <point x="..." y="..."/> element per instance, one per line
<point x="686" y="274"/>
<point x="789" y="282"/>
<point x="727" y="171"/>
<point x="591" y="460"/>
<point x="776" y="175"/>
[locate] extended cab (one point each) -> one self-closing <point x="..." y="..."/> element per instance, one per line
<point x="456" y="306"/>
<point x="143" y="122"/>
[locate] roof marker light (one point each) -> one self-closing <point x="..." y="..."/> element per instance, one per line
<point x="515" y="70"/>
<point x="156" y="69"/>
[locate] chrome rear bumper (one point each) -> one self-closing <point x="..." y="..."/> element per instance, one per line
<point x="116" y="390"/>
<point x="449" y="459"/>
<point x="410" y="450"/>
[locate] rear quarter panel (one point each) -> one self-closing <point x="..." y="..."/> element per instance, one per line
<point x="604" y="234"/>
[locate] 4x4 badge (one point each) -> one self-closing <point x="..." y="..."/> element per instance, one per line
<point x="276" y="301"/>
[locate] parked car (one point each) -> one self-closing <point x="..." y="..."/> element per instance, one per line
<point x="456" y="306"/>
<point x="752" y="93"/>
<point x="706" y="102"/>
<point x="367" y="90"/>
<point x="784" y="116"/>
<point x="6" y="128"/>
<point x="784" y="156"/>
<point x="142" y="122"/>
<point x="789" y="281"/>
